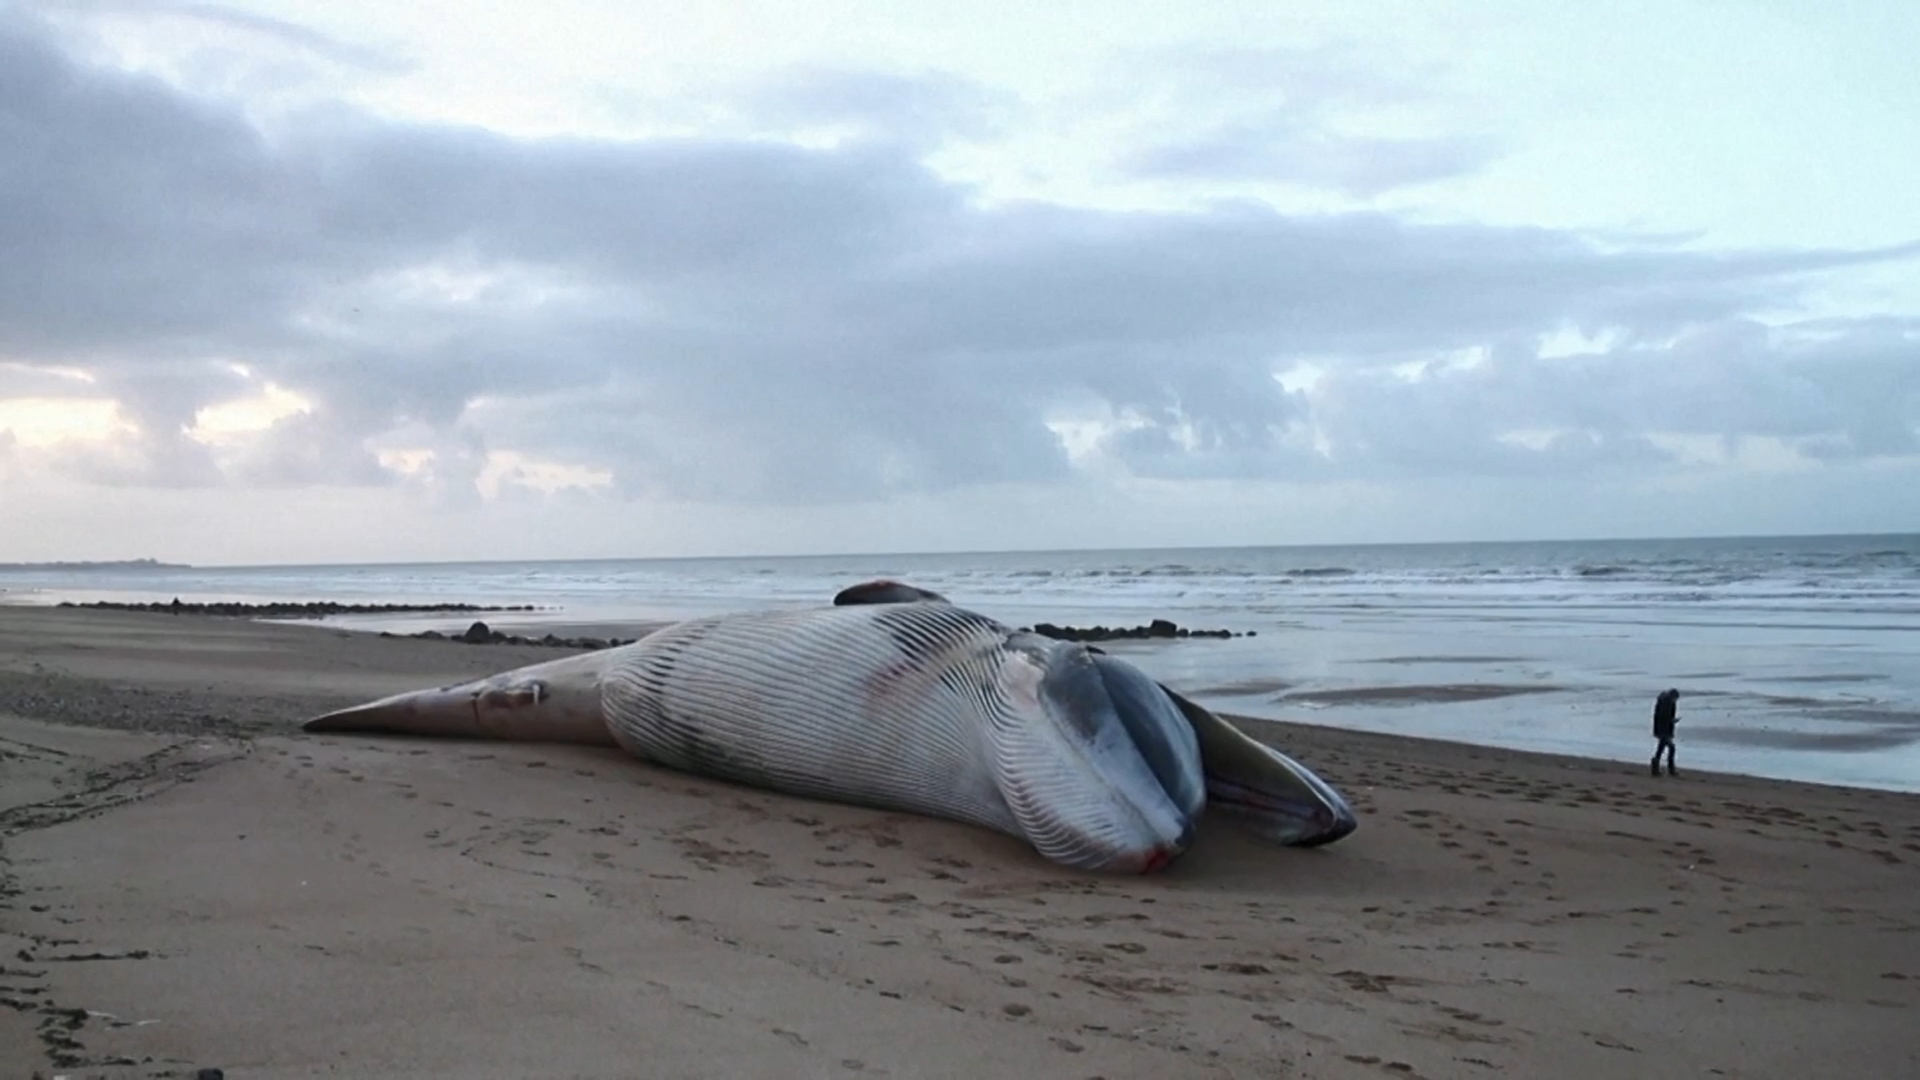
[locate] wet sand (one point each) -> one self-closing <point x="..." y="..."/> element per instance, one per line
<point x="1421" y="695"/>
<point x="188" y="882"/>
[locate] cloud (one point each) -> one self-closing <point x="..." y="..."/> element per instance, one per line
<point x="309" y="450"/>
<point x="751" y="321"/>
<point x="1829" y="392"/>
<point x="1322" y="117"/>
<point x="20" y="380"/>
<point x="921" y="109"/>
<point x="250" y="26"/>
<point x="1282" y="149"/>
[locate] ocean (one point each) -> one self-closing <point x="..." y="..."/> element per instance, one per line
<point x="1796" y="657"/>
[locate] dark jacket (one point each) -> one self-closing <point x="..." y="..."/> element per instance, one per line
<point x="1664" y="707"/>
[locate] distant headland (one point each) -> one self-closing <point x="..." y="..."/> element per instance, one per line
<point x="109" y="564"/>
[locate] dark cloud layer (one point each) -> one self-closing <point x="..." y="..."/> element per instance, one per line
<point x="739" y="320"/>
<point x="1285" y="152"/>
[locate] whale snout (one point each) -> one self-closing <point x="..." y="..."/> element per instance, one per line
<point x="1276" y="796"/>
<point x="1299" y="810"/>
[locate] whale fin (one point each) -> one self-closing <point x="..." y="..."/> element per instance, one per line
<point x="553" y="701"/>
<point x="882" y="591"/>
<point x="1275" y="796"/>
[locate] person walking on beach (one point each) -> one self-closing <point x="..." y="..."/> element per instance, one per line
<point x="1664" y="708"/>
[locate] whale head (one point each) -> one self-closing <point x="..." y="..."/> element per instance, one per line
<point x="1099" y="768"/>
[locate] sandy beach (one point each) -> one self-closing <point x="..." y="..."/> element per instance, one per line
<point x="188" y="882"/>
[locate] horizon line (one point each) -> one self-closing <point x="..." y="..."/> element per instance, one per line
<point x="166" y="564"/>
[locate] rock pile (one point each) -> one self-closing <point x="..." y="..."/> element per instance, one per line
<point x="482" y="634"/>
<point x="1158" y="628"/>
<point x="287" y="610"/>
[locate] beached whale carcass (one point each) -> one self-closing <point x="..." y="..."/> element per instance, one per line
<point x="897" y="699"/>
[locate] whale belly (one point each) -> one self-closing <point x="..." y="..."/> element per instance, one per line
<point x="888" y="713"/>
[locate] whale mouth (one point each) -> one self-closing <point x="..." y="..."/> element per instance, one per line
<point x="1271" y="794"/>
<point x="1098" y="767"/>
<point x="1305" y="813"/>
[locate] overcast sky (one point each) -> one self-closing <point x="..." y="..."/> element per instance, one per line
<point x="286" y="282"/>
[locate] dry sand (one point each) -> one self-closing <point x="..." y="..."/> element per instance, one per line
<point x="190" y="883"/>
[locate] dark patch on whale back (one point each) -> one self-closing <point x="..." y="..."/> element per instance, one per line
<point x="883" y="591"/>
